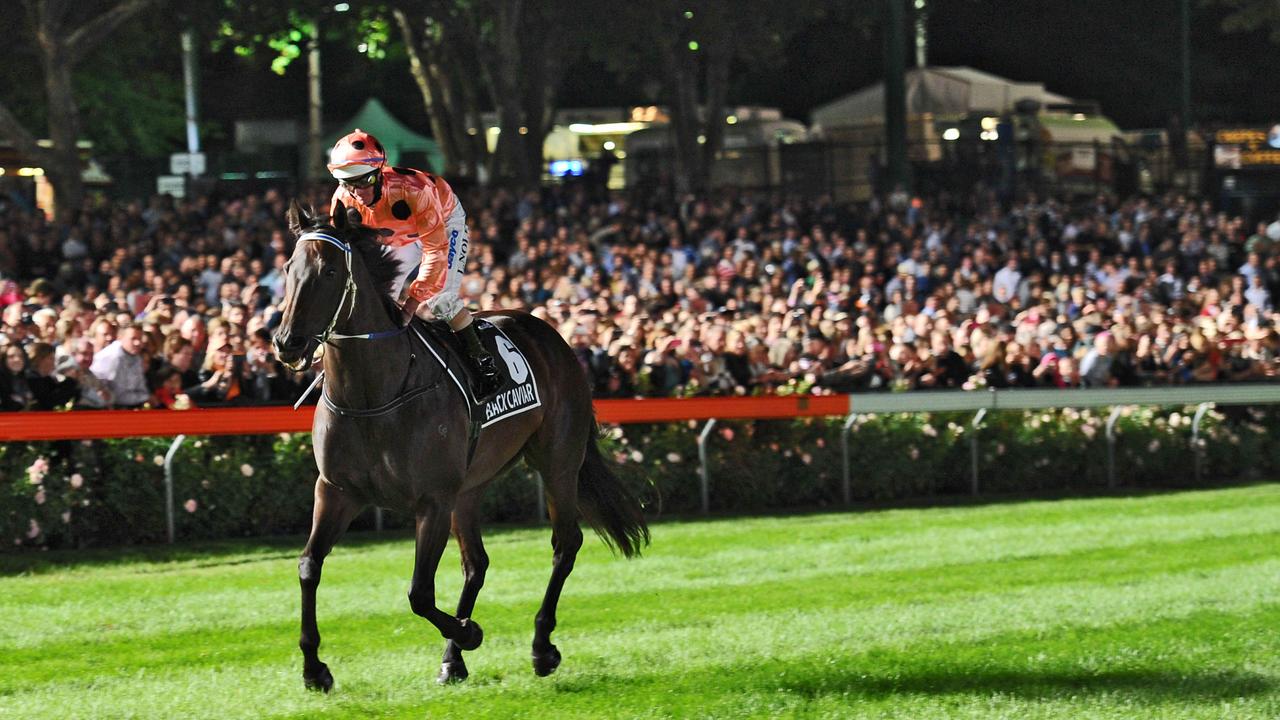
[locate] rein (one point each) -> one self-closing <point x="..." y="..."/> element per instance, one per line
<point x="349" y="291"/>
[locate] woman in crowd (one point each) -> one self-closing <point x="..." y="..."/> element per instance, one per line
<point x="15" y="392"/>
<point x="49" y="390"/>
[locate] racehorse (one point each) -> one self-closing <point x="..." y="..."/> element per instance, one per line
<point x="392" y="432"/>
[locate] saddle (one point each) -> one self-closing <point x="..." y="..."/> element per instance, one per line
<point x="519" y="390"/>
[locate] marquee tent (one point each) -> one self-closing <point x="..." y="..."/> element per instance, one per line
<point x="941" y="91"/>
<point x="399" y="140"/>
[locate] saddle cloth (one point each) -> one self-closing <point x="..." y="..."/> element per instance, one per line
<point x="519" y="390"/>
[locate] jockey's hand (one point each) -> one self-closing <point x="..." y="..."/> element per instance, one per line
<point x="410" y="308"/>
<point x="420" y="290"/>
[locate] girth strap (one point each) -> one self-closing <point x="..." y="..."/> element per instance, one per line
<point x="381" y="409"/>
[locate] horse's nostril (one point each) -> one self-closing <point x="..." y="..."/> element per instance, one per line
<point x="289" y="342"/>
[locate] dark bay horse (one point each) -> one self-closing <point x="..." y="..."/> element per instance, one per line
<point x="399" y="438"/>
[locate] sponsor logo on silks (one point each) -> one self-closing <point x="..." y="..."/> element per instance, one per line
<point x="453" y="245"/>
<point x="509" y="400"/>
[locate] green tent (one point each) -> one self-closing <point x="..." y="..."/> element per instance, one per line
<point x="404" y="146"/>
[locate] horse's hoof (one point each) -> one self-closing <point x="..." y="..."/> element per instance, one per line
<point x="452" y="672"/>
<point x="471" y="635"/>
<point x="546" y="663"/>
<point x="321" y="679"/>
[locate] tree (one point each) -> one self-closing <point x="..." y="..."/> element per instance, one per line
<point x="690" y="48"/>
<point x="62" y="45"/>
<point x="441" y="41"/>
<point x="287" y="32"/>
<point x="509" y="52"/>
<point x="1250" y="15"/>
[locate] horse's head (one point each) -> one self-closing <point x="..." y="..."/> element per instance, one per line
<point x="321" y="279"/>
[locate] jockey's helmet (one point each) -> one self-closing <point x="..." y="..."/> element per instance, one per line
<point x="357" y="153"/>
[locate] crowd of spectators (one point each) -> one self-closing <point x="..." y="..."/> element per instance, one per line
<point x="171" y="303"/>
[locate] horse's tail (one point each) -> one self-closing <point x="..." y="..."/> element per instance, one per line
<point x="608" y="505"/>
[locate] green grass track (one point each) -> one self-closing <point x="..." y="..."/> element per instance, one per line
<point x="1160" y="606"/>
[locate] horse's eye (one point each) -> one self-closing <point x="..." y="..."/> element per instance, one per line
<point x="330" y="272"/>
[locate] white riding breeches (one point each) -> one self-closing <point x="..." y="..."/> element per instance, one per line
<point x="446" y="303"/>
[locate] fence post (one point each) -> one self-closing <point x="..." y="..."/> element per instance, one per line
<point x="702" y="461"/>
<point x="1111" y="447"/>
<point x="168" y="486"/>
<point x="1201" y="409"/>
<point x="377" y="518"/>
<point x="973" y="448"/>
<point x="847" y="487"/>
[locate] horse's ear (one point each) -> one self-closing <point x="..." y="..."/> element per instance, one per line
<point x="340" y="217"/>
<point x="297" y="217"/>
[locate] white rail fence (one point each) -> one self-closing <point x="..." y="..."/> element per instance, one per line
<point x="1204" y="397"/>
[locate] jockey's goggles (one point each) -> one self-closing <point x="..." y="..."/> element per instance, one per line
<point x="367" y="180"/>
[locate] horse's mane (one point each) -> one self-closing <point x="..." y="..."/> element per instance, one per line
<point x="378" y="262"/>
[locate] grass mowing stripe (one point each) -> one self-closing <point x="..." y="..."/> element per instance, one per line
<point x="1135" y="663"/>
<point x="1120" y="564"/>
<point x="739" y="636"/>
<point x="125" y="563"/>
<point x="203" y="599"/>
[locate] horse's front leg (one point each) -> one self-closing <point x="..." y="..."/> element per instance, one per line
<point x="475" y="561"/>
<point x="432" y="535"/>
<point x="334" y="510"/>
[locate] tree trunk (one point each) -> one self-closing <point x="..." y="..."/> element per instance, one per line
<point x="460" y="50"/>
<point x="437" y="109"/>
<point x="64" y="128"/>
<point x="458" y="122"/>
<point x="512" y="163"/>
<point x="314" y="167"/>
<point x="60" y="51"/>
<point x="719" y="57"/>
<point x="682" y="68"/>
<point x="542" y="58"/>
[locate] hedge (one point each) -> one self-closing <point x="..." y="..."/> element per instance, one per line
<point x="101" y="493"/>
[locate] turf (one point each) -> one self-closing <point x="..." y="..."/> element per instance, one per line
<point x="1162" y="606"/>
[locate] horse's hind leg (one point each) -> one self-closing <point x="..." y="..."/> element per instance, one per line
<point x="466" y="529"/>
<point x="333" y="512"/>
<point x="560" y="475"/>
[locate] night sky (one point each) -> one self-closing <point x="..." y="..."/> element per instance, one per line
<point x="1122" y="54"/>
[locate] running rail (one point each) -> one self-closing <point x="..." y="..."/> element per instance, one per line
<point x="95" y="424"/>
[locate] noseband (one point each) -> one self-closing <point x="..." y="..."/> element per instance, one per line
<point x="348" y="291"/>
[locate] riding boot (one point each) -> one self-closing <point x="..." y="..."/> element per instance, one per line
<point x="486" y="370"/>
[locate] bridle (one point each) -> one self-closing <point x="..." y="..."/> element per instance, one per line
<point x="348" y="291"/>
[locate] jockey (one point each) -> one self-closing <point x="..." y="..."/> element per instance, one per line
<point x="429" y="235"/>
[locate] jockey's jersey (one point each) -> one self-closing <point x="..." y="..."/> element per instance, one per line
<point x="413" y="205"/>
